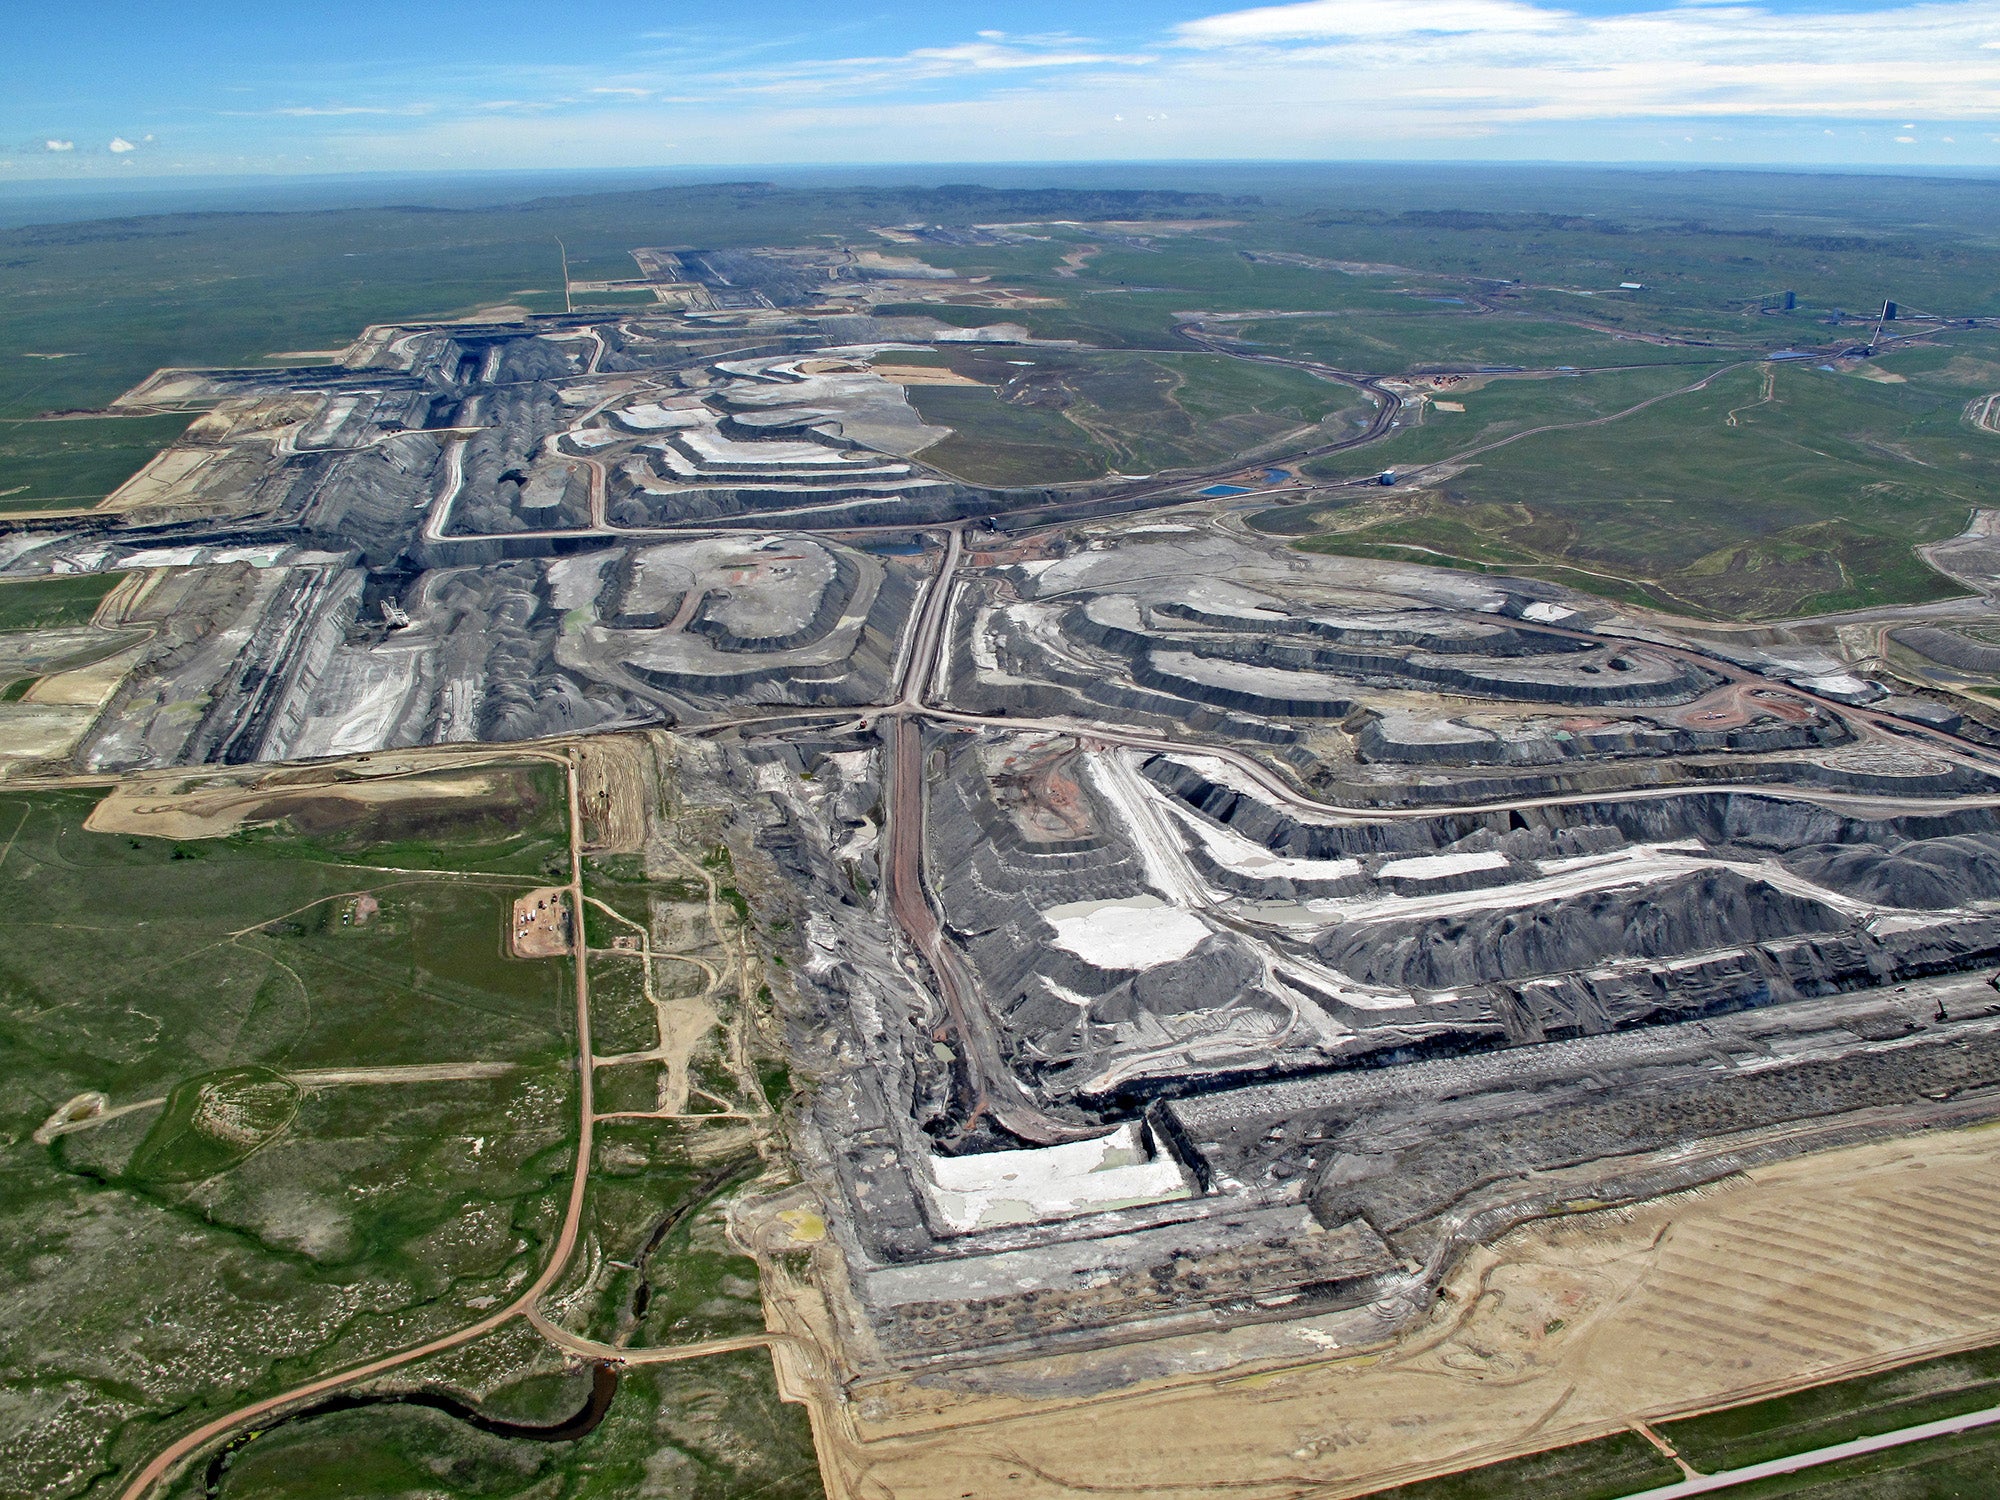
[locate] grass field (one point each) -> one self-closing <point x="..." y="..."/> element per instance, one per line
<point x="1064" y="415"/>
<point x="1822" y="1415"/>
<point x="1776" y="490"/>
<point x="264" y="1198"/>
<point x="656" y="1200"/>
<point x="1952" y="1468"/>
<point x="1410" y="340"/>
<point x="257" y="1225"/>
<point x="1809" y="504"/>
<point x="710" y="1429"/>
<point x="76" y="462"/>
<point x="1499" y="409"/>
<point x="1956" y="1468"/>
<point x="1603" y="1470"/>
<point x="51" y="603"/>
<point x="520" y="829"/>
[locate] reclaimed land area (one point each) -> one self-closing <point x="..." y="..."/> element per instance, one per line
<point x="1847" y="477"/>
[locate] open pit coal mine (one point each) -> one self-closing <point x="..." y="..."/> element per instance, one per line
<point x="1239" y="935"/>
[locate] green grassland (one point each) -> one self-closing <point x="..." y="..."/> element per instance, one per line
<point x="521" y="828"/>
<point x="254" y="1226"/>
<point x="996" y="442"/>
<point x="242" y="1221"/>
<point x="1718" y="501"/>
<point x="1601" y="1470"/>
<point x="657" y="1194"/>
<point x="709" y="1429"/>
<point x="1394" y="343"/>
<point x="1948" y="1468"/>
<point x="1955" y="1468"/>
<point x="124" y="296"/>
<point x="52" y="603"/>
<point x="1067" y="415"/>
<point x="1822" y="1415"/>
<point x="76" y="461"/>
<point x="1502" y="409"/>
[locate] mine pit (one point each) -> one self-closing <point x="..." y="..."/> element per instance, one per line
<point x="1189" y="942"/>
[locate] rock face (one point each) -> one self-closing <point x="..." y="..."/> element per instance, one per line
<point x="374" y="500"/>
<point x="1699" y="913"/>
<point x="1949" y="648"/>
<point x="1921" y="873"/>
<point x="1413" y="740"/>
<point x="1433" y="906"/>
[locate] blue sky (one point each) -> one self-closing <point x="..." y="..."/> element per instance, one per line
<point x="132" y="90"/>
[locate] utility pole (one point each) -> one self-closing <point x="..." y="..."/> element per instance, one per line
<point x="568" y="306"/>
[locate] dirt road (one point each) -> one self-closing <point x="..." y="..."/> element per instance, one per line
<point x="1816" y="1268"/>
<point x="164" y="1463"/>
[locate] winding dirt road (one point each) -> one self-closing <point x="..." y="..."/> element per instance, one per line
<point x="165" y="1462"/>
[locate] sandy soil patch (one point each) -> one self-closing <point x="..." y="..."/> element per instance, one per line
<point x="173" y="806"/>
<point x="613" y="777"/>
<point x="1564" y="1330"/>
<point x="1074" y="262"/>
<point x="1001" y="297"/>
<point x="163" y="480"/>
<point x="86" y="687"/>
<point x="39" y="731"/>
<point x="540" y="926"/>
<point x="924" y="375"/>
<point x="459" y="1072"/>
<point x="497" y="312"/>
<point x="167" y="387"/>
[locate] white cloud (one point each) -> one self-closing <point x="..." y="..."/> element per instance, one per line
<point x="994" y="56"/>
<point x="54" y="145"/>
<point x="318" y="111"/>
<point x="1494" y="61"/>
<point x="119" y="145"/>
<point x="1366" y="18"/>
<point x="1333" y="78"/>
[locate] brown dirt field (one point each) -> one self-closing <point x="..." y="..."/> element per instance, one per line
<point x="540" y="925"/>
<point x="924" y="375"/>
<point x="127" y="596"/>
<point x="184" y="806"/>
<point x="1735" y="704"/>
<point x="86" y="687"/>
<point x="30" y="733"/>
<point x="614" y="781"/>
<point x="168" y="479"/>
<point x="1564" y="1330"/>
